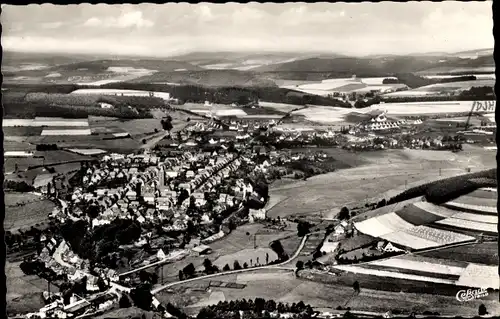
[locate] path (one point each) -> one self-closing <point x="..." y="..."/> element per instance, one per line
<point x="155" y="140"/>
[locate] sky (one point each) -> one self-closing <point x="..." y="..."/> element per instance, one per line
<point x="176" y="28"/>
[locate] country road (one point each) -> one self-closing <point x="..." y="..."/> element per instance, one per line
<point x="272" y="267"/>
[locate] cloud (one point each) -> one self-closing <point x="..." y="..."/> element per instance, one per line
<point x="51" y="25"/>
<point x="126" y="20"/>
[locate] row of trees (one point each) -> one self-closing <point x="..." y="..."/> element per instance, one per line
<point x="258" y="308"/>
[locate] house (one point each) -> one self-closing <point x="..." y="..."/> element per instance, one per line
<point x="257" y="214"/>
<point x="161" y="255"/>
<point x="387" y="247"/>
<point x="202" y="250"/>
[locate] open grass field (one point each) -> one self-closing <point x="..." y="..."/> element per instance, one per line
<point x="442" y="88"/>
<point x="285" y="287"/>
<point x="23" y="210"/>
<point x="133" y="127"/>
<point x="24" y="293"/>
<point x="239" y="245"/>
<point x="341" y="116"/>
<point x="22" y="163"/>
<point x="248" y="256"/>
<point x="483" y="253"/>
<point x="280" y="107"/>
<point x="472" y="200"/>
<point x="377" y="174"/>
<point x="57" y="157"/>
<point x="16" y="144"/>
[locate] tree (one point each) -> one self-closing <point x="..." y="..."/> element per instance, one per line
<point x="181" y="275"/>
<point x="125" y="302"/>
<point x="302" y="228"/>
<point x="245" y="265"/>
<point x="236" y="265"/>
<point x="208" y="266"/>
<point x="267" y="258"/>
<point x="226" y="268"/>
<point x="141" y="296"/>
<point x="344" y="213"/>
<point x="482" y="310"/>
<point x="189" y="270"/>
<point x="143" y="141"/>
<point x="355" y="286"/>
<point x="299" y="265"/>
<point x="206" y="313"/>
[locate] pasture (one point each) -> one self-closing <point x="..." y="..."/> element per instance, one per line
<point x="329" y="291"/>
<point x="24" y="293"/>
<point x="60" y="157"/>
<point x="377" y="175"/>
<point x="229" y="248"/>
<point x="23" y="210"/>
<point x="483" y="253"/>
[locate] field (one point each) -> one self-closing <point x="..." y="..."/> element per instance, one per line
<point x="24" y="293"/>
<point x="484" y="253"/>
<point x="284" y="287"/>
<point x="229" y="248"/>
<point x="248" y="256"/>
<point x="442" y="88"/>
<point x="472" y="200"/>
<point x="339" y="116"/>
<point x="220" y="110"/>
<point x="487" y="210"/>
<point x="280" y="107"/>
<point x="117" y="92"/>
<point x="87" y="152"/>
<point x="377" y="173"/>
<point x="45" y="122"/>
<point x="478" y="76"/>
<point x="346" y="85"/>
<point x="58" y="157"/>
<point x="23" y="210"/>
<point x="133" y="127"/>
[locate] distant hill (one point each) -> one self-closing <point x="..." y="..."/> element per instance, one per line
<point x="12" y="58"/>
<point x="102" y="65"/>
<point x="209" y="78"/>
<point x="245" y="69"/>
<point x="381" y="66"/>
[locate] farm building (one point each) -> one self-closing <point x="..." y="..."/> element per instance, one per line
<point x="387" y="247"/>
<point x="202" y="250"/>
<point x="257" y="214"/>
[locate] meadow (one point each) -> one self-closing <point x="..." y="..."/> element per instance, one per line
<point x="239" y="245"/>
<point x="23" y="210"/>
<point x="320" y="293"/>
<point x="24" y="293"/>
<point x="482" y="253"/>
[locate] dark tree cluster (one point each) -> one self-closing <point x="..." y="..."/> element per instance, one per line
<point x="100" y="244"/>
<point x="303" y="228"/>
<point x="450" y="188"/>
<point x="258" y="308"/>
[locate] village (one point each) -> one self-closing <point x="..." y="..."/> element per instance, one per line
<point x="123" y="215"/>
